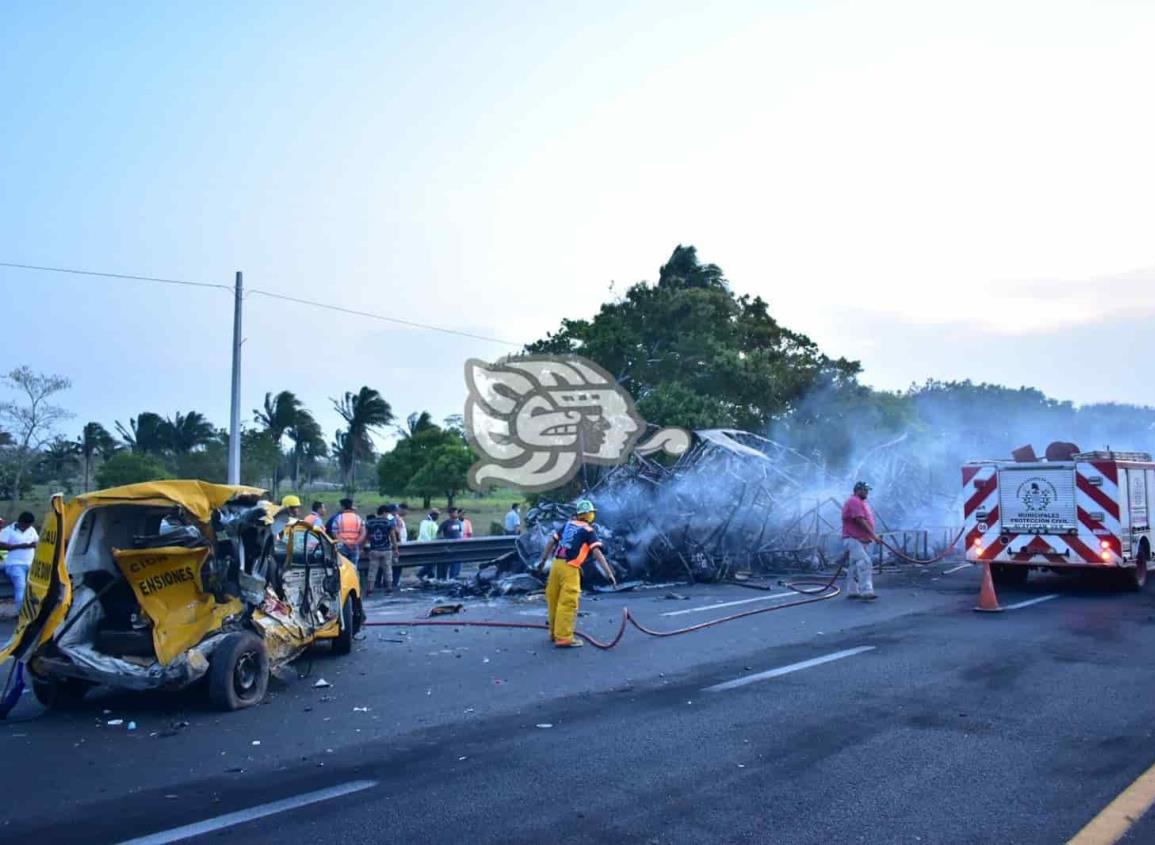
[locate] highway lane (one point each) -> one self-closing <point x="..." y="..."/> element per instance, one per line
<point x="941" y="726"/>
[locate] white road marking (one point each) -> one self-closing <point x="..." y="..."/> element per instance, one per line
<point x="1029" y="602"/>
<point x="957" y="568"/>
<point x="786" y="670"/>
<point x="729" y="604"/>
<point x="188" y="831"/>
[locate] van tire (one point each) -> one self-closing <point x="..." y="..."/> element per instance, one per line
<point x="239" y="671"/>
<point x="1006" y="575"/>
<point x="61" y="693"/>
<point x="343" y="642"/>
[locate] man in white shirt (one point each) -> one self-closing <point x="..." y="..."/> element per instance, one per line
<point x="513" y="521"/>
<point x="19" y="540"/>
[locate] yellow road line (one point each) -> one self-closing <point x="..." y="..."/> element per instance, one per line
<point x="1120" y="815"/>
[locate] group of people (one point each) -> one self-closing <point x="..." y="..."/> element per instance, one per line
<point x="373" y="544"/>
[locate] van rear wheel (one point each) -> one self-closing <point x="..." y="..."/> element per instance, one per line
<point x="239" y="671"/>
<point x="60" y="693"/>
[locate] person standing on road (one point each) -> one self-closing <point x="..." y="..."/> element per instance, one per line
<point x="382" y="537"/>
<point x="857" y="532"/>
<point x="573" y="543"/>
<point x="451" y="529"/>
<point x="466" y="524"/>
<point x="347" y="528"/>
<point x="513" y="520"/>
<point x="402" y="528"/>
<point x="19" y="541"/>
<point x="316" y="515"/>
<point x="426" y="532"/>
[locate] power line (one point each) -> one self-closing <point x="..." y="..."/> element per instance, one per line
<point x="257" y="292"/>
<point x="114" y="275"/>
<point x="371" y="315"/>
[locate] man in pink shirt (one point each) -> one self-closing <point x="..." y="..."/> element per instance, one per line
<point x="857" y="531"/>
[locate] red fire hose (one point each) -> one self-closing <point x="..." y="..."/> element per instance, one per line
<point x="941" y="556"/>
<point x="815" y="589"/>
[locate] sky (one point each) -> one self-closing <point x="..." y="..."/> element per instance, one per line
<point x="939" y="190"/>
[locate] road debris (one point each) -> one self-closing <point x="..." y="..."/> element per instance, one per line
<point x="321" y="684"/>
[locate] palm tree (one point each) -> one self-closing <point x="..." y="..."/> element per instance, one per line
<point x="145" y="433"/>
<point x="416" y="423"/>
<point x="308" y="443"/>
<point x="185" y="432"/>
<point x="94" y="440"/>
<point x="59" y="456"/>
<point x="364" y="412"/>
<point x="279" y="414"/>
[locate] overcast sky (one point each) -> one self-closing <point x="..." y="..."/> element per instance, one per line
<point x="940" y="190"/>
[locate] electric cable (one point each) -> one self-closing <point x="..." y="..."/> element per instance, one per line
<point x="75" y="272"/>
<point x="413" y="324"/>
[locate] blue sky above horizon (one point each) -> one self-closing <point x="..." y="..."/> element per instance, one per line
<point x="938" y="190"/>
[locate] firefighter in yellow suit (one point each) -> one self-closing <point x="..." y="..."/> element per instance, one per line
<point x="575" y="542"/>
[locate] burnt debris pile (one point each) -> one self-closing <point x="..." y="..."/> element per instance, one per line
<point x="737" y="502"/>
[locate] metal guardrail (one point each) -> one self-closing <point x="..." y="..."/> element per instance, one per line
<point x="473" y="550"/>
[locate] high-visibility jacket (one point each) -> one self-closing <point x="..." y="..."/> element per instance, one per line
<point x="347" y="528"/>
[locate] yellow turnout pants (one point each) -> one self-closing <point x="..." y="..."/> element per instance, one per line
<point x="562" y="593"/>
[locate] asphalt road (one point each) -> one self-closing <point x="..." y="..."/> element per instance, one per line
<point x="909" y="720"/>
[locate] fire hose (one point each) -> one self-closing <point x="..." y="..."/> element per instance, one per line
<point x="941" y="556"/>
<point x="814" y="589"/>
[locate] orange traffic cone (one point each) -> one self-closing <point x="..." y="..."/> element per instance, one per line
<point x="988" y="601"/>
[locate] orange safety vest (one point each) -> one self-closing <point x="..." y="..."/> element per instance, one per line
<point x="347" y="527"/>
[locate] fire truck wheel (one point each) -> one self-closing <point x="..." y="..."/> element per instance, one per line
<point x="1009" y="576"/>
<point x="1136" y="579"/>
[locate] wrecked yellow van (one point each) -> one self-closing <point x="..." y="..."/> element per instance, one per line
<point x="168" y="583"/>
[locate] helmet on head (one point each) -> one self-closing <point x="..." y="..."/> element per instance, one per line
<point x="584" y="506"/>
<point x="291" y="501"/>
<point x="861" y="485"/>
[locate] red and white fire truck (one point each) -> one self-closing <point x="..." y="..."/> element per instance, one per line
<point x="1091" y="511"/>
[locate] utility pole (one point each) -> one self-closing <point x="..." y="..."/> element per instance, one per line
<point x="235" y="414"/>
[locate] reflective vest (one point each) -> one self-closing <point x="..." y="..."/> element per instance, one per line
<point x="347" y="528"/>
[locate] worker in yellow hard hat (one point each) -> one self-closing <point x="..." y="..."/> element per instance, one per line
<point x="293" y="503"/>
<point x="570" y="547"/>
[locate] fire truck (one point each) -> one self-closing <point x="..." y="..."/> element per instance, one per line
<point x="1086" y="511"/>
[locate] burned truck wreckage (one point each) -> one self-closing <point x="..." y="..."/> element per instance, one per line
<point x="736" y="503"/>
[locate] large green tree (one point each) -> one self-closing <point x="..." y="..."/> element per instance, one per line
<point x="693" y="353"/>
<point x="428" y="460"/>
<point x="130" y="468"/>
